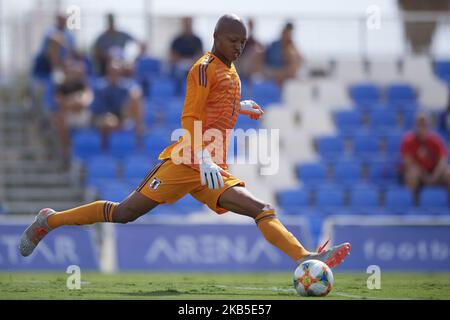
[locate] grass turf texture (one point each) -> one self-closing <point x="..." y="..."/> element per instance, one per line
<point x="216" y="286"/>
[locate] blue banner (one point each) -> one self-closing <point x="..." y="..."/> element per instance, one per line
<point x="205" y="247"/>
<point x="59" y="249"/>
<point x="395" y="247"/>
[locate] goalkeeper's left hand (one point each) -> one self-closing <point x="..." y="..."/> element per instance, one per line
<point x="251" y="109"/>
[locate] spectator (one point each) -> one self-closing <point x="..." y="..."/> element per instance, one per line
<point x="185" y="49"/>
<point x="424" y="158"/>
<point x="110" y="45"/>
<point x="73" y="98"/>
<point x="252" y="58"/>
<point x="118" y="102"/>
<point x="57" y="46"/>
<point x="282" y="58"/>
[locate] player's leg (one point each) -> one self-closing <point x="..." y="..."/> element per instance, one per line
<point x="134" y="206"/>
<point x="239" y="200"/>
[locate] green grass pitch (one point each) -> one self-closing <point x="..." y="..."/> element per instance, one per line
<point x="186" y="286"/>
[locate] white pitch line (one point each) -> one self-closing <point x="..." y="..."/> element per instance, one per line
<point x="342" y="294"/>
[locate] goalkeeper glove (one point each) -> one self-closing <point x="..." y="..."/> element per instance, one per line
<point x="251" y="109"/>
<point x="210" y="173"/>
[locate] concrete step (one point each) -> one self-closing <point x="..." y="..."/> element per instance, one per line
<point x="24" y="152"/>
<point x="27" y="167"/>
<point x="43" y="194"/>
<point x="13" y="141"/>
<point x="11" y="126"/>
<point x="33" y="207"/>
<point x="39" y="180"/>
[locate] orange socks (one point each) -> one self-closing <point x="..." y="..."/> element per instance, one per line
<point x="98" y="211"/>
<point x="277" y="234"/>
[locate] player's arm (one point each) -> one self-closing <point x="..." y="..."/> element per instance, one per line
<point x="251" y="109"/>
<point x="199" y="86"/>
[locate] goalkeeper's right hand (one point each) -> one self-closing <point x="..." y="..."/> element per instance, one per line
<point x="210" y="173"/>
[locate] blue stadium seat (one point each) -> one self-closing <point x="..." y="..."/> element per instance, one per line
<point x="392" y="142"/>
<point x="365" y="93"/>
<point x="115" y="191"/>
<point x="364" y="200"/>
<point x="162" y="88"/>
<point x="442" y="69"/>
<point x="408" y="119"/>
<point x="330" y="147"/>
<point x="122" y="143"/>
<point x="434" y="200"/>
<point x="312" y="174"/>
<point x="86" y="143"/>
<point x="172" y="117"/>
<point x="348" y="122"/>
<point x="382" y="172"/>
<point x="155" y="142"/>
<point x="136" y="167"/>
<point x="365" y="146"/>
<point x="150" y="117"/>
<point x="398" y="200"/>
<point x="329" y="197"/>
<point x="289" y="199"/>
<point x="102" y="167"/>
<point x="147" y="67"/>
<point x="382" y="119"/>
<point x="347" y="172"/>
<point x="400" y="92"/>
<point x="266" y="92"/>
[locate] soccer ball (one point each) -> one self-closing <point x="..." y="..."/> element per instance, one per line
<point x="313" y="278"/>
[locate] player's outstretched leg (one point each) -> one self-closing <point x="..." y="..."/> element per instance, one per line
<point x="240" y="200"/>
<point x="134" y="206"/>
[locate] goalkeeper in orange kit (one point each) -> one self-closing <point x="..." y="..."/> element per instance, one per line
<point x="191" y="165"/>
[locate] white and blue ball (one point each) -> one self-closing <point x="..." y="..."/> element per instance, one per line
<point x="313" y="278"/>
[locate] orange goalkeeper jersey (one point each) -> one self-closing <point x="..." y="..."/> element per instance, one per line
<point x="213" y="97"/>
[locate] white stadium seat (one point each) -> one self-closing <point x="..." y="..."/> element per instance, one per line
<point x="333" y="94"/>
<point x="349" y="71"/>
<point x="384" y="71"/>
<point x="297" y="93"/>
<point x="417" y="70"/>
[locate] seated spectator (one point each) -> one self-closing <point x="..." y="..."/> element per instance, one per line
<point x="424" y="158"/>
<point x="117" y="103"/>
<point x="282" y="58"/>
<point x="251" y="61"/>
<point x="73" y="98"/>
<point x="185" y="49"/>
<point x="57" y="46"/>
<point x="110" y="45"/>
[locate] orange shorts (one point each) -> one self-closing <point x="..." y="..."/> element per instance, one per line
<point x="168" y="182"/>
